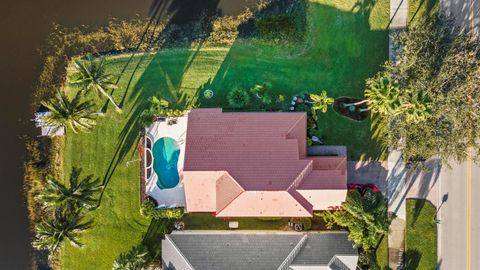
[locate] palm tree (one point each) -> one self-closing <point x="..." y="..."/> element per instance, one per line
<point x="134" y="259"/>
<point x="74" y="114"/>
<point x="365" y="214"/>
<point x="90" y="75"/>
<point x="383" y="96"/>
<point x="321" y="102"/>
<point x="79" y="193"/>
<point x="65" y="224"/>
<point x="416" y="107"/>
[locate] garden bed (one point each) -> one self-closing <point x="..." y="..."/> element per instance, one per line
<point x="356" y="115"/>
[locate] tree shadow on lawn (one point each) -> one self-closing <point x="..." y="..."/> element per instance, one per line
<point x="412" y="259"/>
<point x="345" y="51"/>
<point x="162" y="77"/>
<point x="425" y="8"/>
<point x="155" y="234"/>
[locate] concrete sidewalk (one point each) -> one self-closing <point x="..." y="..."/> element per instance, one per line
<point x="402" y="184"/>
<point x="396" y="236"/>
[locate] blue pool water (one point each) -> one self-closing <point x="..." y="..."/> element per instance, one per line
<point x="165" y="159"/>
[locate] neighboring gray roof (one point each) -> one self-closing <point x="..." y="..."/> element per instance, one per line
<point x="235" y="250"/>
<point x="322" y="247"/>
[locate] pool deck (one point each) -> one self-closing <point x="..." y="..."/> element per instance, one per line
<point x="172" y="197"/>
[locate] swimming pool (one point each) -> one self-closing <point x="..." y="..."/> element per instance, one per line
<point x="165" y="160"/>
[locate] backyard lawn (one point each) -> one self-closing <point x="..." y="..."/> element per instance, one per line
<point x="421" y="236"/>
<point x="346" y="43"/>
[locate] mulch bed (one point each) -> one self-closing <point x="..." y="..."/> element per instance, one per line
<point x="141" y="152"/>
<point x="356" y="115"/>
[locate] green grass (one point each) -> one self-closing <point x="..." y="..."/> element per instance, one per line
<point x="205" y="221"/>
<point x="421" y="236"/>
<point x="419" y="9"/>
<point x="382" y="254"/>
<point x="345" y="45"/>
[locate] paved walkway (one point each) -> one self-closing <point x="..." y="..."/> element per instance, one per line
<point x="402" y="184"/>
<point x="396" y="237"/>
<point x="368" y="172"/>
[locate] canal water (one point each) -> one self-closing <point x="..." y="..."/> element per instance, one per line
<point x="25" y="24"/>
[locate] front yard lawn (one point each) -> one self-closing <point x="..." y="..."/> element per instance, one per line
<point x="421" y="236"/>
<point x="345" y="44"/>
<point x="382" y="254"/>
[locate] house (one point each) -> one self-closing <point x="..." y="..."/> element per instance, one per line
<point x="222" y="250"/>
<point x="244" y="164"/>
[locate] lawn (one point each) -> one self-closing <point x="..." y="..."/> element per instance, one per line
<point x="419" y="9"/>
<point x="345" y="44"/>
<point x="205" y="221"/>
<point x="382" y="254"/>
<point x="421" y="236"/>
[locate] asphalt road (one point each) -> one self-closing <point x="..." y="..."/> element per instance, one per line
<point x="459" y="228"/>
<point x="465" y="12"/>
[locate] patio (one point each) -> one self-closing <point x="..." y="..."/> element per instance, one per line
<point x="168" y="127"/>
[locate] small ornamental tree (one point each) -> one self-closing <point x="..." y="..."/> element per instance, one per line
<point x="238" y="98"/>
<point x="321" y="102"/>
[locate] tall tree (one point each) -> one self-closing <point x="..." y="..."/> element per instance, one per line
<point x="90" y="75"/>
<point x="365" y="215"/>
<point x="383" y="96"/>
<point x="74" y="114"/>
<point x="65" y="224"/>
<point x="438" y="72"/>
<point x="79" y="192"/>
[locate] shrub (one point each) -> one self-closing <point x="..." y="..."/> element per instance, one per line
<point x="135" y="258"/>
<point x="365" y="215"/>
<point x="307" y="222"/>
<point x="238" y="98"/>
<point x="279" y="26"/>
<point x="148" y="210"/>
<point x="327" y="218"/>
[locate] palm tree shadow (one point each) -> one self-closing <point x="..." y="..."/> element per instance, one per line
<point x="430" y="9"/>
<point x="163" y="76"/>
<point x="155" y="233"/>
<point x="412" y="259"/>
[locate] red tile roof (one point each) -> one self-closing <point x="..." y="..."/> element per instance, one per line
<point x="252" y="164"/>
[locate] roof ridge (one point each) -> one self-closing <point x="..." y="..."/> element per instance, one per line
<point x="226" y="205"/>
<point x="297" y="196"/>
<point x="301" y="176"/>
<point x="291" y="256"/>
<point x="179" y="251"/>
<point x="302" y="115"/>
